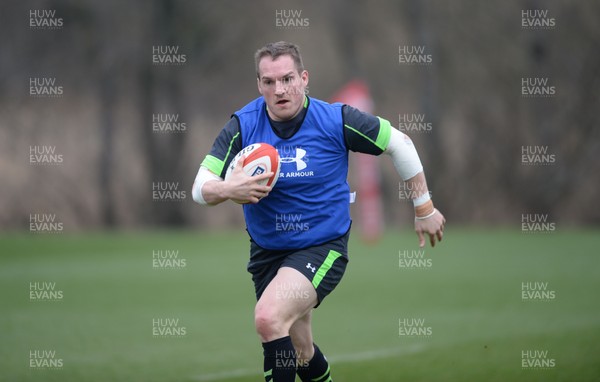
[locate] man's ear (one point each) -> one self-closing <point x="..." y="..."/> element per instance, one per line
<point x="258" y="86"/>
<point x="304" y="76"/>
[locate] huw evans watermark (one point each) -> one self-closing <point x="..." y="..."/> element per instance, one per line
<point x="168" y="192"/>
<point x="537" y="156"/>
<point x="44" y="291"/>
<point x="45" y="155"/>
<point x="290" y="19"/>
<point x="533" y="87"/>
<point x="409" y="191"/>
<point x="45" y="223"/>
<point x="537" y="19"/>
<point x="536" y="291"/>
<point x="167" y="55"/>
<point x="414" y="259"/>
<point x="44" y="359"/>
<point x="413" y="123"/>
<point x="44" y="19"/>
<point x="537" y="359"/>
<point x="45" y="87"/>
<point x="168" y="328"/>
<point x="290" y="222"/>
<point x="290" y="359"/>
<point x="290" y="291"/>
<point x="167" y="259"/>
<point x="414" y="55"/>
<point x="167" y="123"/>
<point x="414" y="327"/>
<point x="537" y="223"/>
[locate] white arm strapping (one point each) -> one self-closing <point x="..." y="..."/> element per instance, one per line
<point x="404" y="155"/>
<point x="204" y="175"/>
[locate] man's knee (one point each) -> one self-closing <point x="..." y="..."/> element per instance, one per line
<point x="269" y="324"/>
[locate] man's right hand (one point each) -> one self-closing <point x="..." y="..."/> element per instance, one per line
<point x="242" y="188"/>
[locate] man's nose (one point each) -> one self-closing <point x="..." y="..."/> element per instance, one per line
<point x="279" y="88"/>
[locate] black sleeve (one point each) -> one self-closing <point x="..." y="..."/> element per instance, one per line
<point x="364" y="132"/>
<point x="225" y="147"/>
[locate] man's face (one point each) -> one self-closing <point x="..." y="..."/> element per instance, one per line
<point x="281" y="86"/>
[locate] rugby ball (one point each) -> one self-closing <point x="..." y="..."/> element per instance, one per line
<point x="260" y="158"/>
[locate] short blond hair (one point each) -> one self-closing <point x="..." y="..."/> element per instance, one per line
<point x="277" y="49"/>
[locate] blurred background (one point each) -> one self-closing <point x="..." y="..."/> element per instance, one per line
<point x="122" y="66"/>
<point x="108" y="107"/>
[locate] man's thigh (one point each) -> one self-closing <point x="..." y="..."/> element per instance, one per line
<point x="289" y="296"/>
<point x="322" y="265"/>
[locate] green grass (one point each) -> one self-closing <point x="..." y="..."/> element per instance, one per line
<point x="470" y="297"/>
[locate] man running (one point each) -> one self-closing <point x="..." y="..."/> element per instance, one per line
<point x="299" y="229"/>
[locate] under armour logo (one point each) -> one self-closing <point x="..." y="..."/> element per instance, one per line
<point x="300" y="164"/>
<point x="313" y="269"/>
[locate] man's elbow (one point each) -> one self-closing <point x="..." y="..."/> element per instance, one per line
<point x="197" y="195"/>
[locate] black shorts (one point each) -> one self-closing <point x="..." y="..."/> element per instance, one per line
<point x="323" y="265"/>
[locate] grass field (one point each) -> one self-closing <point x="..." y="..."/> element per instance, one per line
<point x="469" y="299"/>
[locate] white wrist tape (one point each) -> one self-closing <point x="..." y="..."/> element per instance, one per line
<point x="204" y="175"/>
<point x="426" y="216"/>
<point x="421" y="199"/>
<point x="425" y="210"/>
<point x="404" y="155"/>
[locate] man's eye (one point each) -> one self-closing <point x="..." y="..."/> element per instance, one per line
<point x="268" y="82"/>
<point x="287" y="80"/>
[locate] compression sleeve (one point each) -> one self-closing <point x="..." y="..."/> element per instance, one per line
<point x="225" y="147"/>
<point x="214" y="165"/>
<point x="404" y="155"/>
<point x="365" y="133"/>
<point x="204" y="175"/>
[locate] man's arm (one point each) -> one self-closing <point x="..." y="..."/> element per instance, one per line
<point x="428" y="220"/>
<point x="212" y="190"/>
<point x="209" y="187"/>
<point x="373" y="135"/>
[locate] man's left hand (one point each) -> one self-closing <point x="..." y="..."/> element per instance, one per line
<point x="432" y="226"/>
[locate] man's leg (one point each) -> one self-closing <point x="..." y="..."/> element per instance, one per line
<point x="312" y="364"/>
<point x="301" y="333"/>
<point x="287" y="298"/>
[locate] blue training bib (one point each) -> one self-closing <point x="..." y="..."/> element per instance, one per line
<point x="309" y="205"/>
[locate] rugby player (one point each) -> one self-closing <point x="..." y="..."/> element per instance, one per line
<point x="299" y="228"/>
